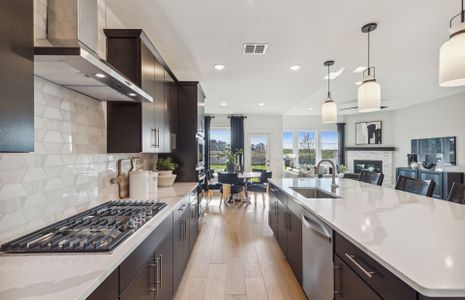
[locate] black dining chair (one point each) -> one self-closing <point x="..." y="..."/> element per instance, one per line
<point x="212" y="186"/>
<point x="370" y="177"/>
<point x="416" y="186"/>
<point x="261" y="186"/>
<point x="231" y="179"/>
<point x="353" y="176"/>
<point x="457" y="193"/>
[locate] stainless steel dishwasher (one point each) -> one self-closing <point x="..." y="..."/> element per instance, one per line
<point x="317" y="258"/>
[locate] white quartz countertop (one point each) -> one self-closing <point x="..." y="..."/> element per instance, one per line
<point x="419" y="239"/>
<point x="76" y="276"/>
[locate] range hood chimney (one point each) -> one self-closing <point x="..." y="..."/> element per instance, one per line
<point x="68" y="56"/>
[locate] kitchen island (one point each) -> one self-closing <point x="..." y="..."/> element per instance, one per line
<point x="420" y="240"/>
<point x="77" y="275"/>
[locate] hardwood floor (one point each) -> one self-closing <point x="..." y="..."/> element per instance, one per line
<point x="237" y="257"/>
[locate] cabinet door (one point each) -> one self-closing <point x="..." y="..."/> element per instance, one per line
<point x="282" y="226"/>
<point x="108" y="290"/>
<point x="181" y="246"/>
<point x="160" y="107"/>
<point x="143" y="285"/>
<point x="16" y="77"/>
<point x="148" y="108"/>
<point x="171" y="113"/>
<point x="407" y="172"/>
<point x="193" y="225"/>
<point x="200" y="110"/>
<point x="294" y="244"/>
<point x="438" y="179"/>
<point x="348" y="286"/>
<point x="164" y="257"/>
<point x="273" y="210"/>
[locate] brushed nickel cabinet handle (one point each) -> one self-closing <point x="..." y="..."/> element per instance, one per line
<point x="337" y="291"/>
<point x="158" y="281"/>
<point x="353" y="258"/>
<point x="161" y="271"/>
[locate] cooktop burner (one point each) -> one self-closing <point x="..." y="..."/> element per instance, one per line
<point x="100" y="229"/>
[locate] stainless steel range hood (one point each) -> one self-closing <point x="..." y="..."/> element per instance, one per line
<point x="68" y="56"/>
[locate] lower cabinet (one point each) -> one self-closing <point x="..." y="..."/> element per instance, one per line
<point x="193" y="224"/>
<point x="282" y="223"/>
<point x="294" y="244"/>
<point x="143" y="286"/>
<point x="108" y="290"/>
<point x="273" y="210"/>
<point x="164" y="269"/>
<point x="347" y="284"/>
<point x="181" y="244"/>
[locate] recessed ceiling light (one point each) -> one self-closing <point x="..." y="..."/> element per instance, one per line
<point x="261" y="104"/>
<point x="358" y="82"/>
<point x="219" y="67"/>
<point x="310" y="108"/>
<point x="360" y="69"/>
<point x="132" y="94"/>
<point x="223" y="104"/>
<point x="295" y="67"/>
<point x="100" y="75"/>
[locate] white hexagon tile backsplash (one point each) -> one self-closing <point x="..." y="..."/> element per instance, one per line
<point x="69" y="170"/>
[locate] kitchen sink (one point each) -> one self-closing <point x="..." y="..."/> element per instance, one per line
<point x="312" y="193"/>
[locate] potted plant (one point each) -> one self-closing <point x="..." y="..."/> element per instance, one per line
<point x="231" y="159"/>
<point x="166" y="166"/>
<point x="342" y="169"/>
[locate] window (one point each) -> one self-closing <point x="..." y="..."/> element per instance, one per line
<point x="328" y="145"/>
<point x="288" y="148"/>
<point x="220" y="139"/>
<point x="306" y="144"/>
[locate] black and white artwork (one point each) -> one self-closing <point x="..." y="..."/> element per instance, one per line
<point x="367" y="133"/>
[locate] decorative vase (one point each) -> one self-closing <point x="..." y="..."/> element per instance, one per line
<point x="230" y="167"/>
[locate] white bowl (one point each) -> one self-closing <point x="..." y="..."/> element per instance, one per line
<point x="167" y="180"/>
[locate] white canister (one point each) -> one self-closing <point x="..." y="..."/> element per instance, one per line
<point x="153" y="184"/>
<point x="139" y="185"/>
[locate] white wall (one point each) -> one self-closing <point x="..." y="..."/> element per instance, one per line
<point x="268" y="124"/>
<point x="305" y="123"/>
<point x="442" y="117"/>
<point x="388" y="130"/>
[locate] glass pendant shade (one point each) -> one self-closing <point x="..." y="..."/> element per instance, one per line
<point x="369" y="96"/>
<point x="329" y="111"/>
<point x="452" y="59"/>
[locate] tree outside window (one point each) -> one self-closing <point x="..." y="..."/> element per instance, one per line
<point x="328" y="145"/>
<point x="306" y="147"/>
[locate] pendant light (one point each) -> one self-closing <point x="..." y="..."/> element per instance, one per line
<point x="452" y="54"/>
<point x="329" y="107"/>
<point x="369" y="92"/>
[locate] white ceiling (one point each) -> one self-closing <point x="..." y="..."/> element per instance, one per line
<point x="192" y="36"/>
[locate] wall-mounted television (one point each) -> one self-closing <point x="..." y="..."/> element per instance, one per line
<point x="436" y="149"/>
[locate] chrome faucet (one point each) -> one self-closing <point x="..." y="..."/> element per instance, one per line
<point x="333" y="184"/>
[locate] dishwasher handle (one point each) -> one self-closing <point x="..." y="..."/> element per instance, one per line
<point x="312" y="223"/>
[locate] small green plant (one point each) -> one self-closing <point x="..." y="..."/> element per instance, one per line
<point x="342" y="169"/>
<point x="166" y="164"/>
<point x="229" y="155"/>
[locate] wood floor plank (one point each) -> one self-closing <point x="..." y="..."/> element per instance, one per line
<point x="236" y="256"/>
<point x="255" y="288"/>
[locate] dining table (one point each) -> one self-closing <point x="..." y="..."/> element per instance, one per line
<point x="246" y="176"/>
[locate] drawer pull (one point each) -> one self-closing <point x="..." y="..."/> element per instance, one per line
<point x="352" y="258"/>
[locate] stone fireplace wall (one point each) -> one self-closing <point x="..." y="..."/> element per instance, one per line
<point x="385" y="156"/>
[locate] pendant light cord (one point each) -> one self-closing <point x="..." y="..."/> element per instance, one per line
<point x="329" y="91"/>
<point x="368" y="53"/>
<point x="463" y="13"/>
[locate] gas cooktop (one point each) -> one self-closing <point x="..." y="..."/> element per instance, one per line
<point x="100" y="229"/>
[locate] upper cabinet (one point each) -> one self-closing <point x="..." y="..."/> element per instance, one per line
<point x="16" y="76"/>
<point x="140" y="127"/>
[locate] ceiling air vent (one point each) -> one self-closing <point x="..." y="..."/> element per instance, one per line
<point x="255" y="49"/>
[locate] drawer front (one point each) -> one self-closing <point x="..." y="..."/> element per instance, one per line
<point x="138" y="258"/>
<point x="182" y="206"/>
<point x="386" y="284"/>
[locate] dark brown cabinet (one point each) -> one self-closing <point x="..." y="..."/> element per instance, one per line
<point x="140" y="127"/>
<point x="164" y="269"/>
<point x="16" y="77"/>
<point x="348" y="286"/>
<point x="273" y="210"/>
<point x="282" y="223"/>
<point x="171" y="126"/>
<point x="143" y="286"/>
<point x="181" y="244"/>
<point x="108" y="289"/>
<point x="193" y="222"/>
<point x="294" y="243"/>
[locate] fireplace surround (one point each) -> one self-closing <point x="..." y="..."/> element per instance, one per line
<point x="375" y="166"/>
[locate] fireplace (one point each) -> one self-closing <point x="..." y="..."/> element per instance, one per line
<point x="375" y="166"/>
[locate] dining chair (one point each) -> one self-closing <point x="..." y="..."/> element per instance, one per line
<point x="457" y="193"/>
<point x="232" y="182"/>
<point x="416" y="186"/>
<point x="370" y="177"/>
<point x="261" y="186"/>
<point x="353" y="176"/>
<point x="212" y="186"/>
